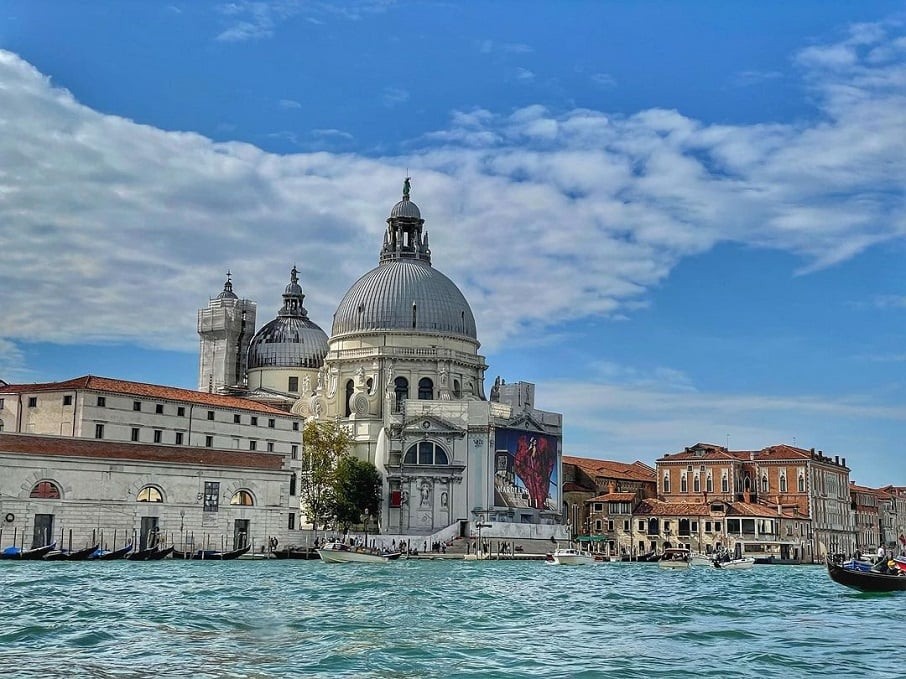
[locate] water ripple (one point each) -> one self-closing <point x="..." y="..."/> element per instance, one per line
<point x="435" y="619"/>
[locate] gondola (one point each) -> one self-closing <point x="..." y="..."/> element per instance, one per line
<point x="140" y="554"/>
<point x="866" y="581"/>
<point x="221" y="556"/>
<point x="78" y="555"/>
<point x="27" y="554"/>
<point x="157" y="554"/>
<point x="112" y="555"/>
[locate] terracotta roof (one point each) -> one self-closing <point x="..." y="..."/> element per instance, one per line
<point x="65" y="446"/>
<point x="635" y="471"/>
<point x="653" y="507"/>
<point x="614" y="497"/>
<point x="106" y="384"/>
<point x="758" y="511"/>
<point x="699" y="452"/>
<point x="782" y="452"/>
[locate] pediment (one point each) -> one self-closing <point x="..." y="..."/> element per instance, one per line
<point x="432" y="425"/>
<point x="524" y="420"/>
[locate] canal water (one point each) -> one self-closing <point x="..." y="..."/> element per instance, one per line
<point x="439" y="619"/>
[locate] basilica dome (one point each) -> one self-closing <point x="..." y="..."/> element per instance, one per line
<point x="292" y="340"/>
<point x="404" y="292"/>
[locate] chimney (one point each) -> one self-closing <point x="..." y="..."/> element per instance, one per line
<point x="844" y="461"/>
<point x="836" y="459"/>
<point x="611" y="487"/>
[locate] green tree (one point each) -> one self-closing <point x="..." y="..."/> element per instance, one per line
<point x="358" y="490"/>
<point x="324" y="444"/>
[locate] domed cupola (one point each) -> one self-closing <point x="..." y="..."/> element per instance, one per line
<point x="227" y="292"/>
<point x="404" y="292"/>
<point x="291" y="339"/>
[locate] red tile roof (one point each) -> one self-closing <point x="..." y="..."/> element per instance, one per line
<point x="635" y="471"/>
<point x="106" y="384"/>
<point x="64" y="446"/>
<point x="614" y="497"/>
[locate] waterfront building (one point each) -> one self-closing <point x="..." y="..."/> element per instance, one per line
<point x="403" y="371"/>
<point x="892" y="517"/>
<point x="82" y="453"/>
<point x="866" y="517"/>
<point x="84" y="491"/>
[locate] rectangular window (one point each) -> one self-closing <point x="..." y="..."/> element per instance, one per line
<point x="598" y="507"/>
<point x="293" y="384"/>
<point x="295" y="426"/>
<point x="292" y="483"/>
<point x="99" y="431"/>
<point x="159" y="408"/>
<point x="694" y="526"/>
<point x="211" y="496"/>
<point x="294" y="452"/>
<point x="179" y="438"/>
<point x="609" y="526"/>
<point x="270" y="446"/>
<point x="67" y="400"/>
<point x="102" y="401"/>
<point x="237" y="418"/>
<point x="210" y="414"/>
<point x="32" y="401"/>
<point x="208" y="441"/>
<point x="717" y="526"/>
<point x="626" y="525"/>
<point x="641" y="525"/>
<point x="136" y="406"/>
<point x="253" y="445"/>
<point x="271" y="423"/>
<point x="254" y="421"/>
<point x="158" y="435"/>
<point x="707" y="526"/>
<point x="180" y="411"/>
<point x="291" y="522"/>
<point x="135" y="433"/>
<point x="1" y="404"/>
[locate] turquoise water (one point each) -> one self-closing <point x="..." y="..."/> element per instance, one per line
<point x="439" y="619"/>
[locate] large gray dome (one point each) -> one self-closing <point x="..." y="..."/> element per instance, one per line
<point x="405" y="294"/>
<point x="291" y="340"/>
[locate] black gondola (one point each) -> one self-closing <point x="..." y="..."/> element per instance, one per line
<point x="866" y="581"/>
<point x="212" y="555"/>
<point x="140" y="554"/>
<point x="78" y="555"/>
<point x="112" y="556"/>
<point x="27" y="554"/>
<point x="157" y="554"/>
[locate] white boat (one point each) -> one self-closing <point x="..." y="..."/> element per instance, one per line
<point x="567" y="556"/>
<point x="736" y="564"/>
<point x="675" y="557"/>
<point x="339" y="552"/>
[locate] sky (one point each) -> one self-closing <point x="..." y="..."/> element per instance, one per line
<point x="683" y="222"/>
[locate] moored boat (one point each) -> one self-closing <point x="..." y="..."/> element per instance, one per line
<point x="741" y="564"/>
<point x="568" y="556"/>
<point x="27" y="554"/>
<point x="699" y="559"/>
<point x="865" y="581"/>
<point x="111" y="555"/>
<point x="339" y="552"/>
<point x="76" y="555"/>
<point x="675" y="557"/>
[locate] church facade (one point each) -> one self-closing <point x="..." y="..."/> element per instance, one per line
<point x="402" y="370"/>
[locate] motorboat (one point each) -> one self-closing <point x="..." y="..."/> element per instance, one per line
<point x="675" y="557"/>
<point x="866" y="581"/>
<point x="340" y="552"/>
<point x="741" y="564"/>
<point x="569" y="556"/>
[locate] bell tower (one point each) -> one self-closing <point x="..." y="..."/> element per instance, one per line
<point x="225" y="327"/>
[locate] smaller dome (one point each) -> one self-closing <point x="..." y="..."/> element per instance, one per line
<point x="406" y="208"/>
<point x="227" y="292"/>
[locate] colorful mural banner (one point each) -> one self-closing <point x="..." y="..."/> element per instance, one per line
<point x="526" y="465"/>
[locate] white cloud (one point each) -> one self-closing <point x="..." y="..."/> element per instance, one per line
<point x="490" y="47"/>
<point x="394" y="96"/>
<point x="524" y="74"/>
<point x="112" y="230"/>
<point x="289" y="104"/>
<point x="328" y="133"/>
<point x="603" y="80"/>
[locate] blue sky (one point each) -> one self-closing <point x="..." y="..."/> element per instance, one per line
<point x="683" y="221"/>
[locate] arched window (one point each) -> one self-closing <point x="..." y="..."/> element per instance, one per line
<point x="764" y="483"/>
<point x="401" y="388"/>
<point x="683" y="484"/>
<point x="426" y="452"/>
<point x="457" y="389"/>
<point x="666" y="482"/>
<point x="801" y="483"/>
<point x="783" y="483"/>
<point x="425" y="389"/>
<point x="350" y="387"/>
<point x="242" y="497"/>
<point x="45" y="490"/>
<point x="724" y="483"/>
<point x="149" y="494"/>
<point x="696" y="483"/>
<point x="709" y="484"/>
